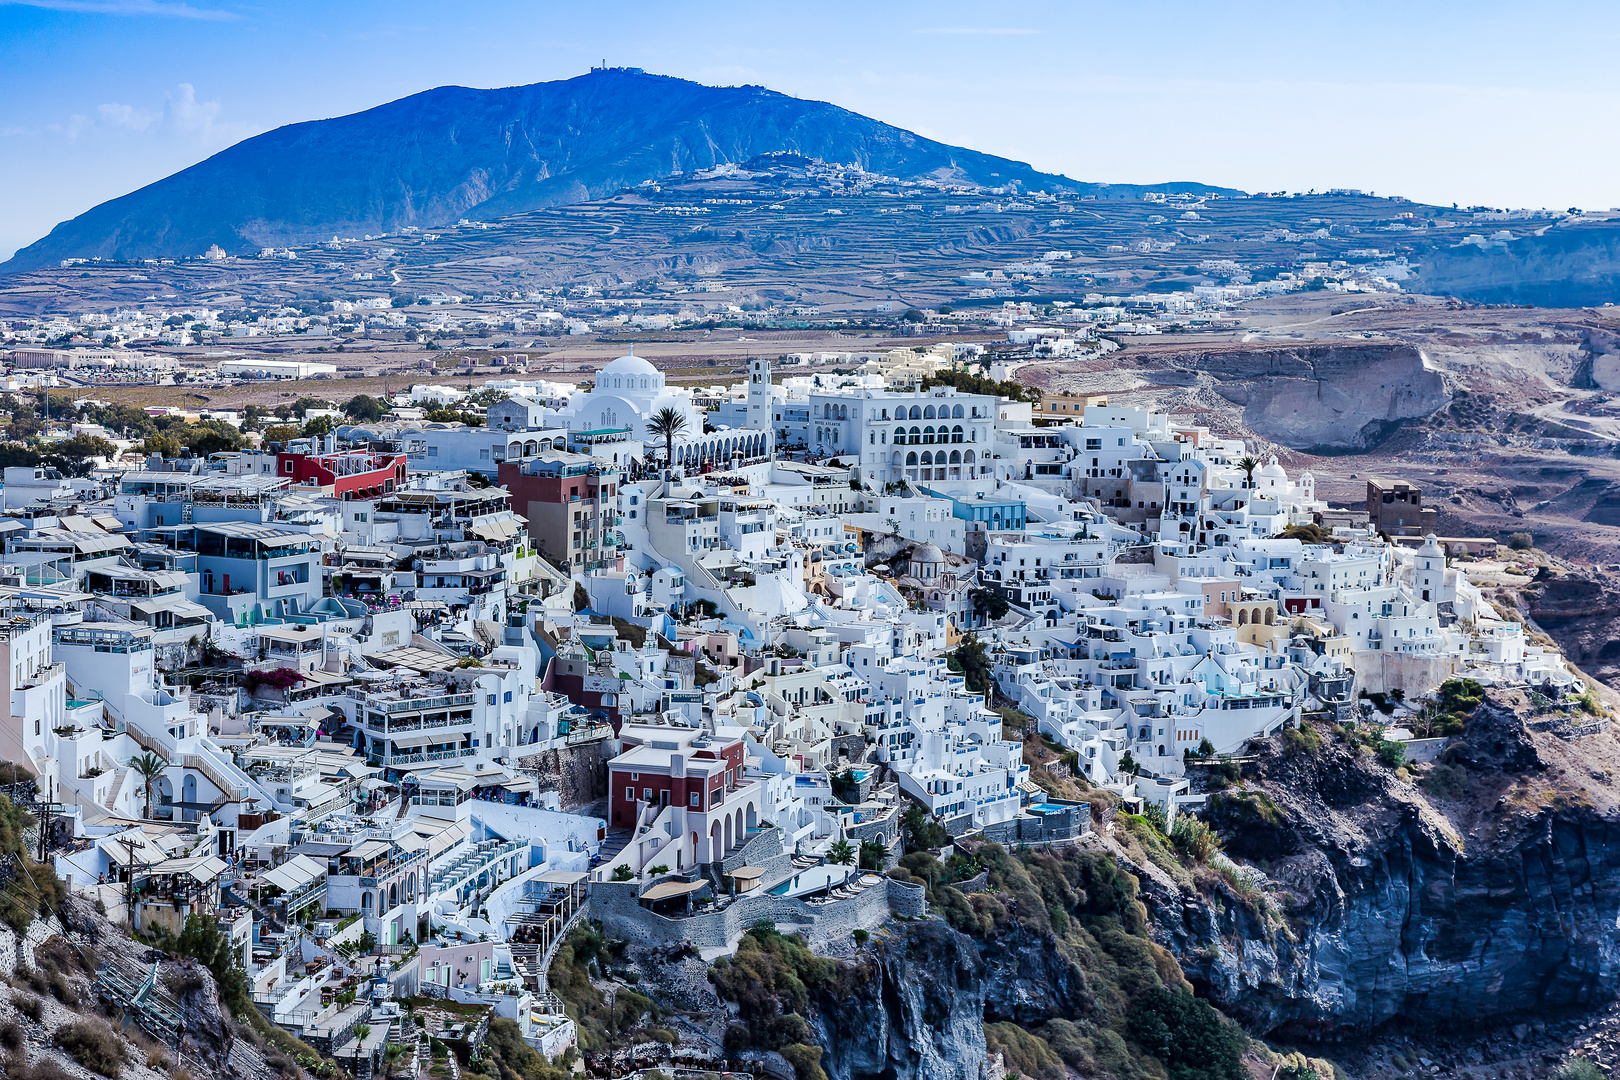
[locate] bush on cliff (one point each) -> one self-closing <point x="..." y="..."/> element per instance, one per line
<point x="771" y="979"/>
<point x="1190" y="1038"/>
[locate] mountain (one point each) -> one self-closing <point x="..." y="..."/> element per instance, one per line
<point x="455" y="152"/>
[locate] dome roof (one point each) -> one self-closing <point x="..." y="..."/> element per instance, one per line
<point x="629" y="365"/>
<point x="1273" y="469"/>
<point x="927" y="553"/>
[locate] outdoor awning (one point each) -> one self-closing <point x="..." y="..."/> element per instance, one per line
<point x="202" y="868"/>
<point x="563" y="877"/>
<point x="368" y="850"/>
<point x="748" y="873"/>
<point x="410" y="842"/>
<point x="496" y="531"/>
<point x="446" y="838"/>
<point x="419" y="738"/>
<point x="664" y="890"/>
<point x="295" y="873"/>
<point x="325" y="678"/>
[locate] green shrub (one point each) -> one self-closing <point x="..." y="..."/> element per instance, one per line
<point x="1194" y="839"/>
<point x="806" y="1061"/>
<point x="1304" y="739"/>
<point x="1579" y="1068"/>
<point x="1191" y="1039"/>
<point x="1445" y="782"/>
<point x="92" y="1044"/>
<point x="1521" y="541"/>
<point x="1024" y="1052"/>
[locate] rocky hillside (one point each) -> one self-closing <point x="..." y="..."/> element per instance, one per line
<point x="55" y="1026"/>
<point x="1345" y="913"/>
<point x="455" y="152"/>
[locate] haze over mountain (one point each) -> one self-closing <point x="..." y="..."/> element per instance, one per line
<point x="455" y="152"/>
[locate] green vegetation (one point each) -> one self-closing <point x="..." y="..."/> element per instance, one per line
<point x="505" y="1056"/>
<point x="1521" y="541"/>
<point x="365" y="409"/>
<point x="971" y="660"/>
<point x="34" y="889"/>
<point x="1191" y="1039"/>
<point x="1579" y="1068"/>
<point x="597" y="1020"/>
<point x="975" y="384"/>
<point x="921" y="831"/>
<point x="93" y="1045"/>
<point x="771" y="979"/>
<point x="1304" y="739"/>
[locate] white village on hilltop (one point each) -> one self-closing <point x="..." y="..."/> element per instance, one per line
<point x="423" y="695"/>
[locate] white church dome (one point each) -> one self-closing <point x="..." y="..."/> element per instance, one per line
<point x="628" y="365"/>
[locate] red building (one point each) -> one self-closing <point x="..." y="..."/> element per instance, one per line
<point x="571" y="504"/>
<point x="694" y="775"/>
<point x="351" y="474"/>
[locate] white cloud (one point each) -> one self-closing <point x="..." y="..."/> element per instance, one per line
<point x="188" y="116"/>
<point x="160" y="8"/>
<point x="114" y="115"/>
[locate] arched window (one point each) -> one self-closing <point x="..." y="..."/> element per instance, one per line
<point x="928" y="413"/>
<point x="967" y="458"/>
<point x="899" y="435"/>
<point x="956" y="433"/>
<point x="956" y="457"/>
<point x="911" y="458"/>
<point x="928" y="433"/>
<point x="916" y="436"/>
<point x="956" y="413"/>
<point x="928" y="457"/>
<point x="916" y="413"/>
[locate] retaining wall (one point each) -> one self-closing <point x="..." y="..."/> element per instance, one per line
<point x="614" y="903"/>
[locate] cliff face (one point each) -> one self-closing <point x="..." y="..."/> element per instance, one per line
<point x="917" y="1014"/>
<point x="1499" y="898"/>
<point x="1325" y="398"/>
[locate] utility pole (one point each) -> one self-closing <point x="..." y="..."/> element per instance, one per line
<point x="45" y="811"/>
<point x="129" y="845"/>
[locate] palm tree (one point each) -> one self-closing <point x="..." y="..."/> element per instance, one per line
<point x="842" y="853"/>
<point x="148" y="767"/>
<point x="1248" y="464"/>
<point x="667" y="423"/>
<point x="873" y="852"/>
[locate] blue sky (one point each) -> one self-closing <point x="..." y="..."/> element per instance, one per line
<point x="1505" y="104"/>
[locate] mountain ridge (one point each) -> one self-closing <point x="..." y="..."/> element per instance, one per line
<point x="433" y="157"/>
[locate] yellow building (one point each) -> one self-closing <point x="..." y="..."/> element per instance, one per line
<point x="1062" y="408"/>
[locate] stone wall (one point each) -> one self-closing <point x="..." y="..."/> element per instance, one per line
<point x="1379" y="672"/>
<point x="1067" y="824"/>
<point x="764" y="851"/>
<point x="614" y="902"/>
<point x="885" y="828"/>
<point x="907" y="900"/>
<point x="846" y="749"/>
<point x="577" y="773"/>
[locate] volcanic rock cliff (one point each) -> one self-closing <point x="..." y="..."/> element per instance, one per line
<point x="1476" y="891"/>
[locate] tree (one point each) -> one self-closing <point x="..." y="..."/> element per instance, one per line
<point x="842" y="853"/>
<point x="873" y="854"/>
<point x="988" y="604"/>
<point x="667" y="423"/>
<point x="148" y="767"/>
<point x="975" y="665"/>
<point x="280" y="433"/>
<point x="921" y="831"/>
<point x="1191" y="1039"/>
<point x="318" y="427"/>
<point x="364" y="409"/>
<point x="1248" y="463"/>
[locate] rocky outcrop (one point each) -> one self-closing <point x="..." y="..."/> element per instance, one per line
<point x="1505" y="904"/>
<point x="1330" y="398"/>
<point x="914" y="1010"/>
